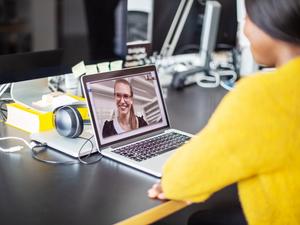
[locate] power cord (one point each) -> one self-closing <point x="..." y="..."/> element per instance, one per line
<point x="14" y="148"/>
<point x="37" y="148"/>
<point x="211" y="81"/>
<point x="219" y="74"/>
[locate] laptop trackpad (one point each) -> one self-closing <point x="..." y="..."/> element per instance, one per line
<point x="157" y="162"/>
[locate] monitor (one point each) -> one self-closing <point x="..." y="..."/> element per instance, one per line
<point x="31" y="65"/>
<point x="96" y="30"/>
<point x="44" y="38"/>
<point x="164" y="12"/>
<point x="227" y="33"/>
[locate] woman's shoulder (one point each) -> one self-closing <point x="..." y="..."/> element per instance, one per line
<point x="270" y="82"/>
<point x="248" y="92"/>
<point x="285" y="75"/>
<point x="256" y="78"/>
<point x="256" y="84"/>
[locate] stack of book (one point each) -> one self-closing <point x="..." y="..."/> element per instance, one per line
<point x="28" y="119"/>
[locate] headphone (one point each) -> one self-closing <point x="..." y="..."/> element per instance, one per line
<point x="68" y="120"/>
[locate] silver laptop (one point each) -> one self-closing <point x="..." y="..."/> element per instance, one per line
<point x="129" y="118"/>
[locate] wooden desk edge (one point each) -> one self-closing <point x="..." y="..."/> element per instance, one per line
<point x="154" y="214"/>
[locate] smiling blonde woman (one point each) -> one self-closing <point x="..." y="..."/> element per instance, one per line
<point x="126" y="119"/>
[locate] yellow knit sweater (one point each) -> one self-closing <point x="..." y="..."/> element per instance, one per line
<point x="253" y="138"/>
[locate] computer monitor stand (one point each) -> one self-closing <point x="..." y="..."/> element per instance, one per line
<point x="207" y="45"/>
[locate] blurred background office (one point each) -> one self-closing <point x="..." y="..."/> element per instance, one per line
<point x="96" y="31"/>
<point x="32" y="25"/>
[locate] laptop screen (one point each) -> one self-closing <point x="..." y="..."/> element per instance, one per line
<point x="126" y="106"/>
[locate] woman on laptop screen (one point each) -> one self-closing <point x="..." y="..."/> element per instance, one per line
<point x="126" y="119"/>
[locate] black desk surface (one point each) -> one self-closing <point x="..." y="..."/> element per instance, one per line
<point x="32" y="192"/>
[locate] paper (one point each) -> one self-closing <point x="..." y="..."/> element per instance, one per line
<point x="55" y="100"/>
<point x="62" y="100"/>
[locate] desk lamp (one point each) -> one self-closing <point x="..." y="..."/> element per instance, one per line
<point x="208" y="39"/>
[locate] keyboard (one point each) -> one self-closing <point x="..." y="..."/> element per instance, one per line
<point x="152" y="147"/>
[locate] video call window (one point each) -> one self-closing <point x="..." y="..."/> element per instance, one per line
<point x="126" y="106"/>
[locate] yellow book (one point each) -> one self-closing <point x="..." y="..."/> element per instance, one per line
<point x="82" y="110"/>
<point x="28" y="119"/>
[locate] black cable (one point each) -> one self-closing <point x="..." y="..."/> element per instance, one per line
<point x="43" y="147"/>
<point x="86" y="141"/>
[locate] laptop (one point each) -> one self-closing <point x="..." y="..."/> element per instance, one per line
<point x="129" y="118"/>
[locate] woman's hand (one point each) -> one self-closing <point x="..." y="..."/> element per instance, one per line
<point x="156" y="191"/>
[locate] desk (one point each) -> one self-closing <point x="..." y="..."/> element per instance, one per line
<point x="32" y="192"/>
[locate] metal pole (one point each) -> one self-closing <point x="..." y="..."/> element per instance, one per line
<point x="165" y="47"/>
<point x="180" y="27"/>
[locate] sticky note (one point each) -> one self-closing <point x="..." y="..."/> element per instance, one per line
<point x="116" y="65"/>
<point x="79" y="69"/>
<point x="103" y="67"/>
<point x="91" y="69"/>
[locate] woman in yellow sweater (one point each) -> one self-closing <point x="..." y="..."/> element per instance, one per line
<point x="253" y="138"/>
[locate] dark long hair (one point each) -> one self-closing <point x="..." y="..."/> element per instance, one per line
<point x="132" y="117"/>
<point x="278" y="18"/>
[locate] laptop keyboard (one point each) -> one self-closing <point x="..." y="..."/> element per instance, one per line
<point x="152" y="147"/>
